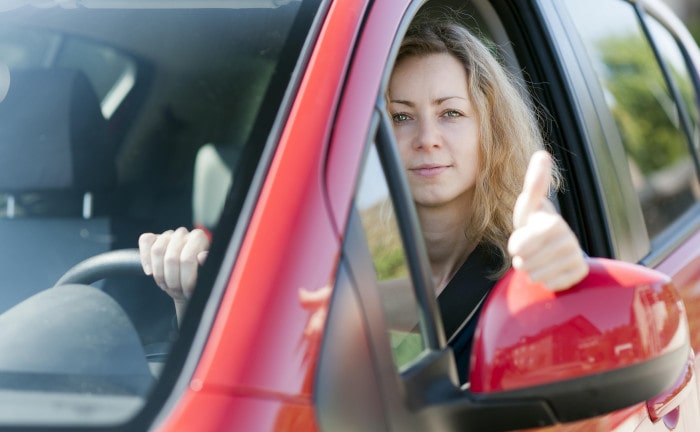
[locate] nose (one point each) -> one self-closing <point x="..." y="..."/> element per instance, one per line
<point x="428" y="134"/>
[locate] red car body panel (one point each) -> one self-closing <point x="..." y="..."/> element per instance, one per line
<point x="259" y="347"/>
<point x="353" y="120"/>
<point x="208" y="410"/>
<point x="683" y="265"/>
<point x="536" y="336"/>
<point x="678" y="406"/>
<point x="684" y="268"/>
<point x="257" y="369"/>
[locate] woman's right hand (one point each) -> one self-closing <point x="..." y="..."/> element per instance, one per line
<point x="543" y="244"/>
<point x="173" y="259"/>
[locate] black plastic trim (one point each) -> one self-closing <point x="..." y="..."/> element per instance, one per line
<point x="560" y="402"/>
<point x="590" y="396"/>
<point x="549" y="79"/>
<point x="409" y="227"/>
<point x="361" y="271"/>
<point x="346" y="390"/>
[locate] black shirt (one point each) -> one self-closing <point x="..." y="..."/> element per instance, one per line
<point x="461" y="302"/>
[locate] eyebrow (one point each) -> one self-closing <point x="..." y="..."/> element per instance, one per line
<point x="435" y="102"/>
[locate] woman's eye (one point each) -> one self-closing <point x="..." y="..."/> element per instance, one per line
<point x="452" y="114"/>
<point x="399" y="117"/>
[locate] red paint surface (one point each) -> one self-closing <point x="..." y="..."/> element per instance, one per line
<point x="618" y="316"/>
<point x="256" y="370"/>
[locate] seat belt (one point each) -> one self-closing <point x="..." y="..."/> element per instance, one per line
<point x="466" y="291"/>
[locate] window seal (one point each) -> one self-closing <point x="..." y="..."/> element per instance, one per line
<point x="409" y="228"/>
<point x="683" y="114"/>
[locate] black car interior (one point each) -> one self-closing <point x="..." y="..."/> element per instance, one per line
<point x="57" y="174"/>
<point x="76" y="182"/>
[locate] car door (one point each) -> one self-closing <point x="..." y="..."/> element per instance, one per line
<point x="600" y="204"/>
<point x="640" y="72"/>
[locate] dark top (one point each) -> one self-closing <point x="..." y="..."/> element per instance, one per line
<point x="461" y="302"/>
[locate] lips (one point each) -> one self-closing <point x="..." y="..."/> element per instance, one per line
<point x="428" y="170"/>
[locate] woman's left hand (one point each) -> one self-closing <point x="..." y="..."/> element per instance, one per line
<point x="543" y="244"/>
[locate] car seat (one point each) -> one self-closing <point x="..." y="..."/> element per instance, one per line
<point x="57" y="169"/>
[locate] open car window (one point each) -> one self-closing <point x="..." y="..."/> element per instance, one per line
<point x="123" y="117"/>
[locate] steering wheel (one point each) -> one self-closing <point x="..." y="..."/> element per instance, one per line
<point x="122" y="262"/>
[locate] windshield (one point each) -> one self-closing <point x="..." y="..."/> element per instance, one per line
<point x="119" y="118"/>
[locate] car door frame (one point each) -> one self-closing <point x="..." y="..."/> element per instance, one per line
<point x="540" y="27"/>
<point x="408" y="402"/>
<point x="676" y="251"/>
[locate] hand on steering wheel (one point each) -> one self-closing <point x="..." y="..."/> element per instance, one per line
<point x="173" y="259"/>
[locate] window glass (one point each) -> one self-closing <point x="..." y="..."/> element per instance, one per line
<point x="111" y="72"/>
<point x="24" y="47"/>
<point x="677" y="66"/>
<point x="643" y="107"/>
<point x="381" y="229"/>
<point x="184" y="81"/>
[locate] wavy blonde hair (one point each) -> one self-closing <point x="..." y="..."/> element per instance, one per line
<point x="509" y="129"/>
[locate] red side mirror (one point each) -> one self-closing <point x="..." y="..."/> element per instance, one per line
<point x="620" y="317"/>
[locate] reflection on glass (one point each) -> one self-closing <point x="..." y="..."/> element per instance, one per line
<point x="643" y="107"/>
<point x="381" y="228"/>
<point x="675" y="62"/>
<point x="105" y="113"/>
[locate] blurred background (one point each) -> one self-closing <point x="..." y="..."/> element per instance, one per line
<point x="688" y="11"/>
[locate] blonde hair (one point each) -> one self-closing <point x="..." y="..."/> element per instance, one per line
<point x="509" y="128"/>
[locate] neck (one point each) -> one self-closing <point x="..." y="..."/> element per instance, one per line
<point x="444" y="233"/>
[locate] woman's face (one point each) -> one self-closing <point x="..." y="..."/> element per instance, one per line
<point x="436" y="128"/>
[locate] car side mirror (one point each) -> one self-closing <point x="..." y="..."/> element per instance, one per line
<point x="618" y="338"/>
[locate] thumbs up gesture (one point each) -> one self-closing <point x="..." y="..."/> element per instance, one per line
<point x="542" y="243"/>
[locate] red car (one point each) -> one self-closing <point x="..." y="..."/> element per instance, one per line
<point x="263" y="121"/>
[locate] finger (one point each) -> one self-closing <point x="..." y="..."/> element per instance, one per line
<point x="556" y="253"/>
<point x="561" y="274"/>
<point x="535" y="187"/>
<point x="196" y="244"/>
<point x="559" y="264"/>
<point x="146" y="241"/>
<point x="314" y="325"/>
<point x="157" y="258"/>
<point x="570" y="278"/>
<point x="543" y="228"/>
<point x="314" y="299"/>
<point x="173" y="262"/>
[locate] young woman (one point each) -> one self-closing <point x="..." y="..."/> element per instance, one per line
<point x="471" y="148"/>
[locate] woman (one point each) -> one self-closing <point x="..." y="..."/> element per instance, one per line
<point x="465" y="135"/>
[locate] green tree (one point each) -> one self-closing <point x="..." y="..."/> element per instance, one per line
<point x="384" y="241"/>
<point x="694" y="27"/>
<point x="641" y="104"/>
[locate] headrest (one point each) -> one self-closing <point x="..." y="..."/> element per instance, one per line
<point x="53" y="135"/>
<point x="213" y="175"/>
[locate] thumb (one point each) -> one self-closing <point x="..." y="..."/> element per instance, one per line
<point x="535" y="188"/>
<point x="314" y="299"/>
<point x="202" y="256"/>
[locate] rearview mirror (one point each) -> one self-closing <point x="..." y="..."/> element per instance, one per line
<point x="618" y="338"/>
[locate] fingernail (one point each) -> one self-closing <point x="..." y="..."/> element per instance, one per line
<point x="147" y="269"/>
<point x="517" y="262"/>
